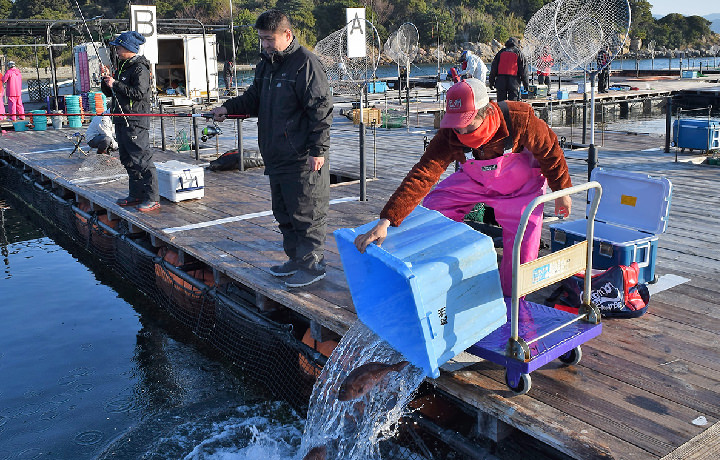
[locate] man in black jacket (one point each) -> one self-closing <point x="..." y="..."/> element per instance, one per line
<point x="130" y="89"/>
<point x="508" y="70"/>
<point x="291" y="98"/>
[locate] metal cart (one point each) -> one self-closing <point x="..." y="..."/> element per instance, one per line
<point x="537" y="334"/>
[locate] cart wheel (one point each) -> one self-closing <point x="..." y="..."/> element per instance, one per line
<point x="523" y="386"/>
<point x="572" y="357"/>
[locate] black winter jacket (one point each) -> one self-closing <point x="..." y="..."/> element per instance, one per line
<point x="291" y="98"/>
<point x="132" y="89"/>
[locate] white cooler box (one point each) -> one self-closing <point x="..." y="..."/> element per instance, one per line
<point x="633" y="211"/>
<point x="180" y="181"/>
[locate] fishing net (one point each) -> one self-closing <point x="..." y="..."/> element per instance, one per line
<point x="347" y="74"/>
<point x="402" y="45"/>
<point x="573" y="32"/>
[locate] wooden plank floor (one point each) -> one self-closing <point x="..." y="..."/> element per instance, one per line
<point x="640" y="385"/>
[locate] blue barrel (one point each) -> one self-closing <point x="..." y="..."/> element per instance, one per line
<point x="72" y="105"/>
<point x="39" y="122"/>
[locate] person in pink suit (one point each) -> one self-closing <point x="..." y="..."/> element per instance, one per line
<point x="13" y="85"/>
<point x="2" y="99"/>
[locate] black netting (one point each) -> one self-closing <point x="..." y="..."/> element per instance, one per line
<point x="266" y="352"/>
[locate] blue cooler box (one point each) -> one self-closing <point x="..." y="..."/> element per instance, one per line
<point x="696" y="133"/>
<point x="633" y="211"/>
<point x="377" y="87"/>
<point x="431" y="291"/>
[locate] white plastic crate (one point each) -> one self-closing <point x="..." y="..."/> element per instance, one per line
<point x="180" y="181"/>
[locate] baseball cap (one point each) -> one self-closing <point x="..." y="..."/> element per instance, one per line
<point x="462" y="102"/>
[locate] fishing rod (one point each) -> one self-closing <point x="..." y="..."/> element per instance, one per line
<point x="97" y="53"/>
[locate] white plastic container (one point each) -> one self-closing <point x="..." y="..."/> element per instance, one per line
<point x="180" y="181"/>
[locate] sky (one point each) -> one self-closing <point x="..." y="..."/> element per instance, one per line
<point x="685" y="7"/>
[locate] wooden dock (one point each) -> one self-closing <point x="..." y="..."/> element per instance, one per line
<point x="647" y="388"/>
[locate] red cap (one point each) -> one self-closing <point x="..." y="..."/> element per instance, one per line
<point x="462" y="102"/>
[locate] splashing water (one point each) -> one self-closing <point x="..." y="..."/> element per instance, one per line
<point x="352" y="429"/>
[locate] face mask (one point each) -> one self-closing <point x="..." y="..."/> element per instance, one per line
<point x="485" y="131"/>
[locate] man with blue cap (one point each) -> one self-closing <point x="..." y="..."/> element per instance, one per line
<point x="130" y="88"/>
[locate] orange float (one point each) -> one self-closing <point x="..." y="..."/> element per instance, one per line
<point x="187" y="297"/>
<point x="324" y="348"/>
<point x="100" y="239"/>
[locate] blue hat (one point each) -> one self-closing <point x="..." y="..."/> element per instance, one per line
<point x="130" y="40"/>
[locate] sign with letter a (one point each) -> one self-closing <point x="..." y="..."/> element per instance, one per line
<point x="143" y="20"/>
<point x="355" y="32"/>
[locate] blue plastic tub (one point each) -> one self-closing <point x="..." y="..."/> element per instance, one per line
<point x="39" y="122"/>
<point x="430" y="291"/>
<point x="20" y="125"/>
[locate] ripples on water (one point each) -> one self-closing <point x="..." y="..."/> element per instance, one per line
<point x="85" y="375"/>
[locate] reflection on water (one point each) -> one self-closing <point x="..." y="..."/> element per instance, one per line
<point x="80" y="365"/>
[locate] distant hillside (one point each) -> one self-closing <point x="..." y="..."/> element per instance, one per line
<point x="713" y="18"/>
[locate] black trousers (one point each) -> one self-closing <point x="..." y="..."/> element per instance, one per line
<point x="604" y="80"/>
<point x="101" y="142"/>
<point x="300" y="203"/>
<point x="544" y="80"/>
<point x="136" y="156"/>
<point x="508" y="88"/>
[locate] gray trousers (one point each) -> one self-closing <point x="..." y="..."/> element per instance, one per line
<point x="136" y="156"/>
<point x="300" y="203"/>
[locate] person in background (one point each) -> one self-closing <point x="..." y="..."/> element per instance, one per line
<point x="2" y="98"/>
<point x="508" y="71"/>
<point x="505" y="174"/>
<point x="290" y="96"/>
<point x="130" y="89"/>
<point x="603" y="65"/>
<point x="544" y="64"/>
<point x="100" y="134"/>
<point x="13" y="85"/>
<point x="472" y="66"/>
<point x="228" y="68"/>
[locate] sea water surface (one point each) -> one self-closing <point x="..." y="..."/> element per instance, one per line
<point x="89" y="369"/>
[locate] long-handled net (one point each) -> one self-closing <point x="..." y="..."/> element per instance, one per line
<point x="574" y="32"/>
<point x="347" y="75"/>
<point x="402" y="47"/>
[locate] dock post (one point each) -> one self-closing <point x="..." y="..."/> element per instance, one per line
<point x="668" y="122"/>
<point x="195" y="136"/>
<point x="592" y="159"/>
<point x="584" y="130"/>
<point x="162" y="128"/>
<point x="241" y="152"/>
<point x="363" y="168"/>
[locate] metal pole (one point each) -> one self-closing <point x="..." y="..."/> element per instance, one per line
<point x="162" y="128"/>
<point x="584" y="116"/>
<point x="592" y="153"/>
<point x="241" y="152"/>
<point x="363" y="168"/>
<point x="195" y="136"/>
<point x="668" y="122"/>
<point x="52" y="65"/>
<point x="232" y="39"/>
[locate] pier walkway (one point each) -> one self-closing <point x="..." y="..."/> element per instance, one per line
<point x="645" y="389"/>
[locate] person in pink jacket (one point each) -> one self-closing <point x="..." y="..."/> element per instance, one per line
<point x="13" y="85"/>
<point x="2" y="99"/>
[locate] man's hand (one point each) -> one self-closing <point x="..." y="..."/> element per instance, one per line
<point x="219" y="113"/>
<point x="563" y="206"/>
<point x="104" y="71"/>
<point x="110" y="81"/>
<point x="316" y="163"/>
<point x="378" y="233"/>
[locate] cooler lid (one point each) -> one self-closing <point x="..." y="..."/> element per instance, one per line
<point x="633" y="200"/>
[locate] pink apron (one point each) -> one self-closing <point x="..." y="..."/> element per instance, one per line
<point x="507" y="184"/>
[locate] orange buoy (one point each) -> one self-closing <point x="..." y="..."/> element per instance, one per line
<point x="325" y="348"/>
<point x="186" y="296"/>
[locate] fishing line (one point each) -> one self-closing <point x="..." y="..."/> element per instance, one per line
<point x="97" y="53"/>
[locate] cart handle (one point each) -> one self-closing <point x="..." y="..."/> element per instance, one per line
<point x="515" y="306"/>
